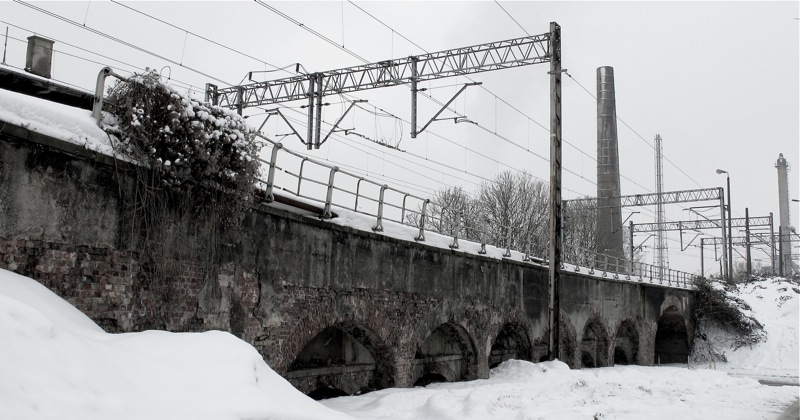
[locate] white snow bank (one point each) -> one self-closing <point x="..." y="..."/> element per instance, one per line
<point x="55" y="363"/>
<point x="775" y="303"/>
<point x="64" y="122"/>
<point x="550" y="390"/>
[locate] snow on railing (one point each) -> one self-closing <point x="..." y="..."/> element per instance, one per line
<point x="330" y="185"/>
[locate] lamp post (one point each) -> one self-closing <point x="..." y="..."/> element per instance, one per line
<point x="730" y="240"/>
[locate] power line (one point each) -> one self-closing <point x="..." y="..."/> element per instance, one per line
<point x="636" y="133"/>
<point x="125" y="43"/>
<point x="512" y="17"/>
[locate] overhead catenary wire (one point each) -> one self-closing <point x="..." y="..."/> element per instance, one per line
<point x="100" y="33"/>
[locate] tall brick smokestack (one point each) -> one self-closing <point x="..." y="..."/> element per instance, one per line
<point x="609" y="214"/>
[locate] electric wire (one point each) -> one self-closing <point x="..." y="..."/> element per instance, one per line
<point x="352" y="53"/>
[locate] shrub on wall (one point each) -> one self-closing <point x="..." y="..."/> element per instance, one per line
<point x="186" y="142"/>
<point x="716" y="309"/>
<point x="188" y="148"/>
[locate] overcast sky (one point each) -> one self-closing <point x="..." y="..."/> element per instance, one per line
<point x="717" y="80"/>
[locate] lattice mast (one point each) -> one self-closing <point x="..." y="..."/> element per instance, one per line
<point x="661" y="257"/>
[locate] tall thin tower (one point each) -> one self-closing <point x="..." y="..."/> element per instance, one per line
<point x="785" y="260"/>
<point x="661" y="256"/>
<point x="609" y="214"/>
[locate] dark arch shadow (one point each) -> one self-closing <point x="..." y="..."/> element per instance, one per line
<point x="626" y="344"/>
<point x="447" y="354"/>
<point x="342" y="359"/>
<point x="512" y="342"/>
<point x="594" y="344"/>
<point x="672" y="338"/>
<point x="567" y="343"/>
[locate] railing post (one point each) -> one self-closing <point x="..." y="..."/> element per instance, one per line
<point x="616" y="268"/>
<point x="97" y="106"/>
<point x="483" y="242"/>
<point x="454" y="245"/>
<point x="270" y="197"/>
<point x="358" y="192"/>
<point x="605" y="265"/>
<point x="300" y="175"/>
<point x="422" y="216"/>
<point x="403" y="210"/>
<point x="527" y="248"/>
<point x="326" y="213"/>
<point x="507" y="254"/>
<point x="379" y="226"/>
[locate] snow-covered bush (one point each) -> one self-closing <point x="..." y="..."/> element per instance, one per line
<point x="186" y="143"/>
<point x="716" y="308"/>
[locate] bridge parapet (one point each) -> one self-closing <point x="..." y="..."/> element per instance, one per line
<point x="400" y="311"/>
<point x="332" y="187"/>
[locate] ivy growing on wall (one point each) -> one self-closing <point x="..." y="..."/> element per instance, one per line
<point x="192" y="180"/>
<point x="187" y="143"/>
<point x="716" y="309"/>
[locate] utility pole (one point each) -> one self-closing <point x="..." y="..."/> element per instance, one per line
<point x="780" y="250"/>
<point x="555" y="189"/>
<point x="630" y="233"/>
<point x="747" y="240"/>
<point x="772" y="239"/>
<point x="702" y="262"/>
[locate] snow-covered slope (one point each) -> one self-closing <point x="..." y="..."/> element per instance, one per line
<point x="775" y="303"/>
<point x="55" y="363"/>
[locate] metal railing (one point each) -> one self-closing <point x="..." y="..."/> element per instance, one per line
<point x="332" y="186"/>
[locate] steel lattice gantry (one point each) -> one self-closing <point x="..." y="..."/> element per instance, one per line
<point x="668" y="197"/>
<point x="411" y="70"/>
<point x="460" y="61"/>
<point x="702" y="224"/>
<point x="543" y="48"/>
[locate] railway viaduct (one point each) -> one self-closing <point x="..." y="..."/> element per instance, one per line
<point x="331" y="308"/>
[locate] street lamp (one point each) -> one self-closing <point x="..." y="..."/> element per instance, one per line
<point x="730" y="240"/>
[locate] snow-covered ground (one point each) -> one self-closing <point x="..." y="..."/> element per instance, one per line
<point x="773" y="303"/>
<point x="55" y="363"/>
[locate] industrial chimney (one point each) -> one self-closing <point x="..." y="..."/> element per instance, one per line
<point x="609" y="214"/>
<point x="785" y="265"/>
<point x="40" y="56"/>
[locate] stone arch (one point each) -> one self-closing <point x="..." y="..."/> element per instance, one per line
<point x="345" y="358"/>
<point x="672" y="337"/>
<point x="594" y="344"/>
<point x="512" y="342"/>
<point x="671" y="301"/>
<point x="447" y="354"/>
<point x="626" y="344"/>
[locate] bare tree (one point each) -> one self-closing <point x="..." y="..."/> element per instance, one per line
<point x="515" y="210"/>
<point x="450" y="209"/>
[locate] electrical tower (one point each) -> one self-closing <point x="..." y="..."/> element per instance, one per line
<point x="661" y="258"/>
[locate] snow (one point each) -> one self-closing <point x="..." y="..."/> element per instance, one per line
<point x="63" y="122"/>
<point x="56" y="363"/>
<point x="775" y="303"/>
<point x="550" y="390"/>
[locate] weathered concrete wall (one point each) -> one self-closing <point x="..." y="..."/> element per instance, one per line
<point x="289" y="277"/>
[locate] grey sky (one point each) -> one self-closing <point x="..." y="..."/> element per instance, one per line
<point x="717" y="80"/>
